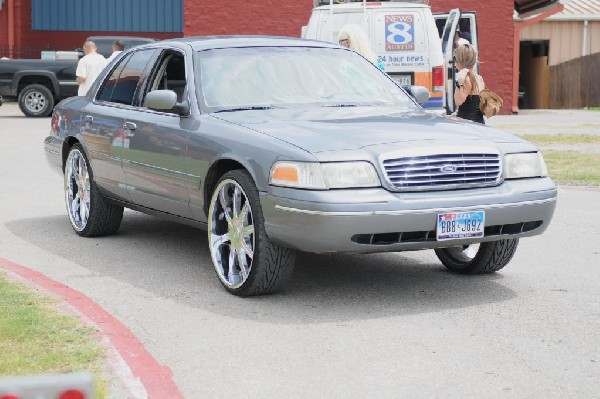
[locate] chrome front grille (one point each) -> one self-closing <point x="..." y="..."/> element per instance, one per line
<point x="443" y="171"/>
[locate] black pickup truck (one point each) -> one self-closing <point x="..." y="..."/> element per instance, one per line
<point x="39" y="84"/>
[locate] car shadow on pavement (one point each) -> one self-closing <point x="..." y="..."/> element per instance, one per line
<point x="173" y="261"/>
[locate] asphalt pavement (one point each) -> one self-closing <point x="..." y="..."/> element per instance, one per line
<point x="380" y="325"/>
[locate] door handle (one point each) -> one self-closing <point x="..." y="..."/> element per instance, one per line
<point x="89" y="119"/>
<point x="130" y="127"/>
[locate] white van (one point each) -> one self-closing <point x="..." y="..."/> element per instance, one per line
<point x="403" y="35"/>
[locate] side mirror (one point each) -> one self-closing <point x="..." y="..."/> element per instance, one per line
<point x="419" y="93"/>
<point x="165" y="100"/>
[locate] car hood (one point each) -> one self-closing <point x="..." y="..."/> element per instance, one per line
<point x="322" y="129"/>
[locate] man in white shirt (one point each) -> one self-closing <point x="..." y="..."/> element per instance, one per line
<point x="89" y="67"/>
<point x="117" y="47"/>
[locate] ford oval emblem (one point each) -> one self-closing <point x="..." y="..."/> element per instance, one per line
<point x="448" y="168"/>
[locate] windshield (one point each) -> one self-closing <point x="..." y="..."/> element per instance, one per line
<point x="258" y="77"/>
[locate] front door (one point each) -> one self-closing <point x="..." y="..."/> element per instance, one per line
<point x="154" y="157"/>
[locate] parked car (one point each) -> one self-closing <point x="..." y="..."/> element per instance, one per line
<point x="278" y="145"/>
<point x="38" y="84"/>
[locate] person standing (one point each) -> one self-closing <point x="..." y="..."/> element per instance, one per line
<point x="117" y="47"/>
<point x="355" y="38"/>
<point x="89" y="67"/>
<point x="468" y="84"/>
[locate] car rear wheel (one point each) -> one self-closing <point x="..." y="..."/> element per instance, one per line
<point x="36" y="100"/>
<point x="483" y="258"/>
<point x="245" y="259"/>
<point x="90" y="214"/>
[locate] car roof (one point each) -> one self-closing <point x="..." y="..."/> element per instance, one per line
<point x="212" y="42"/>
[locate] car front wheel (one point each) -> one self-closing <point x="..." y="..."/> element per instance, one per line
<point x="90" y="213"/>
<point x="483" y="258"/>
<point x="36" y="100"/>
<point x="246" y="261"/>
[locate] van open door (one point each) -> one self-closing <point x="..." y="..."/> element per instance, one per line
<point x="467" y="25"/>
<point x="448" y="50"/>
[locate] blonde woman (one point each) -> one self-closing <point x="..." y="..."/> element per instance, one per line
<point x="468" y="84"/>
<point x="355" y="38"/>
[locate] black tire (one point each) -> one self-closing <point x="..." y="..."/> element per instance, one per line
<point x="36" y="101"/>
<point x="81" y="192"/>
<point x="236" y="232"/>
<point x="490" y="257"/>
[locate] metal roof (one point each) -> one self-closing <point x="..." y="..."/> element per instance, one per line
<point x="108" y="15"/>
<point x="582" y="7"/>
<point x="579" y="10"/>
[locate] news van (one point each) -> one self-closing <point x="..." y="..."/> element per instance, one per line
<point x="403" y="35"/>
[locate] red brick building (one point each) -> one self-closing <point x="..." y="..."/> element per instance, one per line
<point x="498" y="33"/>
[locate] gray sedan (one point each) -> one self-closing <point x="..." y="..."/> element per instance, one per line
<point x="276" y="145"/>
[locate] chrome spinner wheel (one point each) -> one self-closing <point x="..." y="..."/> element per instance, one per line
<point x="77" y="190"/>
<point x="231" y="233"/>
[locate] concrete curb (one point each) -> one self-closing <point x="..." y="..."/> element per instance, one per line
<point x="143" y="376"/>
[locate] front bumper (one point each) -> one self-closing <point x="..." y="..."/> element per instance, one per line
<point x="376" y="220"/>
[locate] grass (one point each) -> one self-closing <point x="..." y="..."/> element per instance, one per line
<point x="573" y="167"/>
<point x="569" y="166"/>
<point x="35" y="338"/>
<point x="567" y="139"/>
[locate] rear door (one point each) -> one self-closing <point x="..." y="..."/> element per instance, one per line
<point x="103" y="122"/>
<point x="448" y="49"/>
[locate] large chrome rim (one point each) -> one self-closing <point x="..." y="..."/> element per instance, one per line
<point x="464" y="253"/>
<point x="77" y="190"/>
<point x="35" y="101"/>
<point x="231" y="233"/>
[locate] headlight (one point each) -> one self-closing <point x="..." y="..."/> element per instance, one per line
<point x="323" y="176"/>
<point x="298" y="174"/>
<point x="531" y="164"/>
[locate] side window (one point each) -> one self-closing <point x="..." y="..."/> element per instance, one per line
<point x="105" y="92"/>
<point x="122" y="89"/>
<point x="169" y="74"/>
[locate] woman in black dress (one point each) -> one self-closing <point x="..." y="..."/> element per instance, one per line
<point x="468" y="83"/>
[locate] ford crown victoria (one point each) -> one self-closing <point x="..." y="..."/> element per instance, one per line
<point x="278" y="145"/>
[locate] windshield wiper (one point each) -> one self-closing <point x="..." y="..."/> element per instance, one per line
<point x="246" y="109"/>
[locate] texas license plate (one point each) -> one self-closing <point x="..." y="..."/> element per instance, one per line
<point x="453" y="225"/>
